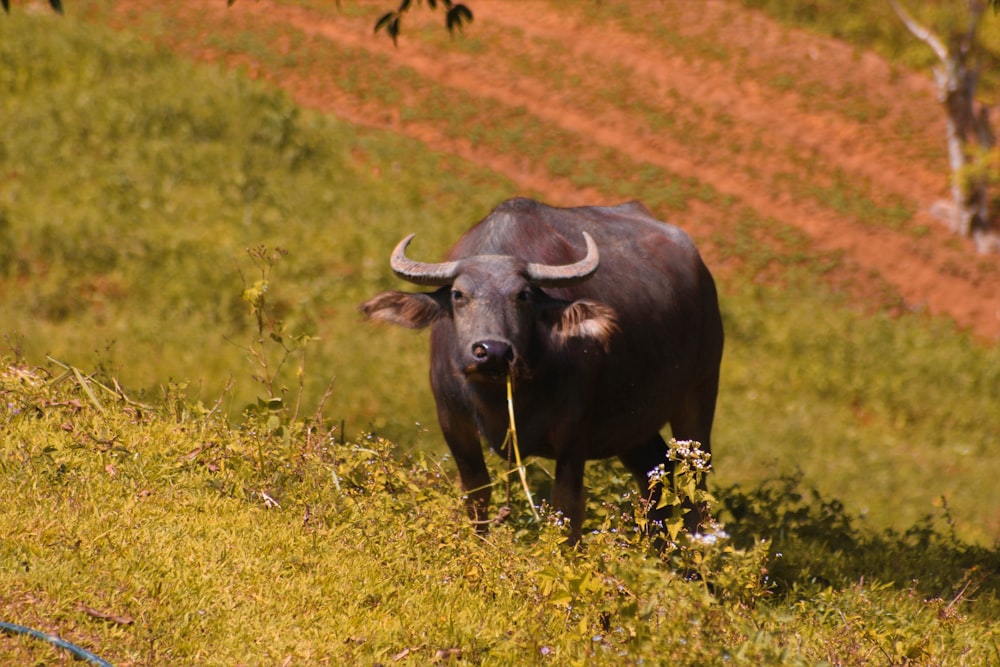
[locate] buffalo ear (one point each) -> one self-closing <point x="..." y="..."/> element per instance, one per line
<point x="413" y="311"/>
<point x="587" y="319"/>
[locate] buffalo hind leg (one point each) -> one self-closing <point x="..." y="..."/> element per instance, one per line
<point x="692" y="420"/>
<point x="640" y="461"/>
<point x="568" y="495"/>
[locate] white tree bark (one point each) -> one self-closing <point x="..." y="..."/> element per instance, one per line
<point x="956" y="79"/>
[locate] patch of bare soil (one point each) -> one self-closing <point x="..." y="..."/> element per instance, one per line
<point x="764" y="111"/>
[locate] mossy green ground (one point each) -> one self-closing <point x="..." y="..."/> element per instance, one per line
<point x="859" y="447"/>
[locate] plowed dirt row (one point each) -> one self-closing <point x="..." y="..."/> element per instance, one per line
<point x="756" y="108"/>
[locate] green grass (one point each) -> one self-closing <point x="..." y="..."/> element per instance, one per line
<point x="855" y="457"/>
<point x="216" y="545"/>
<point x="134" y="184"/>
<point x="881" y="412"/>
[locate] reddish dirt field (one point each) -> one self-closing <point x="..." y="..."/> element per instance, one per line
<point x="773" y="109"/>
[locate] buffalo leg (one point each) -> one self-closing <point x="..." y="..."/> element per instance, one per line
<point x="692" y="420"/>
<point x="468" y="452"/>
<point x="477" y="486"/>
<point x="640" y="461"/>
<point x="567" y="493"/>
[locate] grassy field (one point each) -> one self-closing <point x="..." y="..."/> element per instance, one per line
<point x="153" y="537"/>
<point x="856" y="458"/>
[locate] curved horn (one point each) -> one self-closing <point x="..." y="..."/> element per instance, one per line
<point x="544" y="275"/>
<point x="419" y="272"/>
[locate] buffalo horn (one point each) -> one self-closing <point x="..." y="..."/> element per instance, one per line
<point x="544" y="275"/>
<point x="420" y="272"/>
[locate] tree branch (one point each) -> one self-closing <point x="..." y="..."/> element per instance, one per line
<point x="922" y="33"/>
<point x="456" y="14"/>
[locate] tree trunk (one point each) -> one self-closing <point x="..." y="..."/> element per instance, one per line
<point x="968" y="123"/>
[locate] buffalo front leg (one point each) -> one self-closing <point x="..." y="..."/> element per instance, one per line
<point x="462" y="437"/>
<point x="476" y="483"/>
<point x="567" y="493"/>
<point x="477" y="487"/>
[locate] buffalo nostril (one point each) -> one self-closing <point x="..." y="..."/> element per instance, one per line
<point x="490" y="358"/>
<point x="492" y="352"/>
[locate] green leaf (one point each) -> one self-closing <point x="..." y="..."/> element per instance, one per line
<point x="668" y="499"/>
<point x="384" y="20"/>
<point x="458" y="15"/>
<point x="674" y="527"/>
<point x="389" y="21"/>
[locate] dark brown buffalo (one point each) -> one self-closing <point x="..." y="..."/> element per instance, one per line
<point x="608" y="321"/>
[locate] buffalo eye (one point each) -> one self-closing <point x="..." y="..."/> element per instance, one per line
<point x="457" y="296"/>
<point x="524" y="295"/>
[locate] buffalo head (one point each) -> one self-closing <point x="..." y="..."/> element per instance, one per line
<point x="497" y="306"/>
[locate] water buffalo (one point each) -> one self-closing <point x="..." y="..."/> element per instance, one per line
<point x="607" y="320"/>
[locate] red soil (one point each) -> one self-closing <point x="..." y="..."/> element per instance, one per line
<point x="800" y="127"/>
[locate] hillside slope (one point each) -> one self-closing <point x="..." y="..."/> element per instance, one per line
<point x="801" y="130"/>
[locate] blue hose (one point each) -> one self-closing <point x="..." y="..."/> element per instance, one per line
<point x="75" y="651"/>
